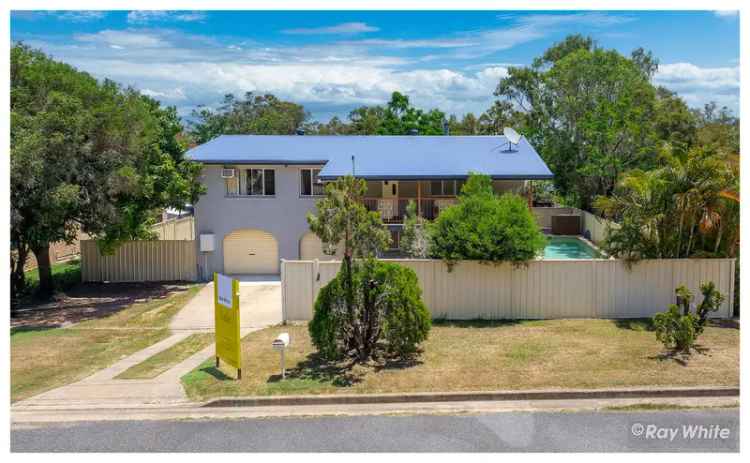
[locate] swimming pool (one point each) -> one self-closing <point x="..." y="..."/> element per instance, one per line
<point x="566" y="247"/>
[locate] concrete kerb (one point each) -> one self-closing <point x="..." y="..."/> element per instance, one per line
<point x="433" y="397"/>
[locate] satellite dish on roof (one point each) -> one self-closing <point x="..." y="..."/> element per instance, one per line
<point x="512" y="136"/>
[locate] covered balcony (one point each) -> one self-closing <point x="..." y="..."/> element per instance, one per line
<point x="390" y="198"/>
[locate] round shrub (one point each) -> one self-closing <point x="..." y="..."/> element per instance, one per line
<point x="387" y="315"/>
<point x="486" y="227"/>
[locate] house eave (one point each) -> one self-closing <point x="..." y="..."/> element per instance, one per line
<point x="280" y="162"/>
<point x="437" y="177"/>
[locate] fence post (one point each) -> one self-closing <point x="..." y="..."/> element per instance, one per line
<point x="283" y="291"/>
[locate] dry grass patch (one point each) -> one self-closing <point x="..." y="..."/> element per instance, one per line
<point x="481" y="355"/>
<point x="43" y="358"/>
<point x="164" y="360"/>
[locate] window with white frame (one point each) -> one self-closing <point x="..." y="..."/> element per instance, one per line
<point x="310" y="185"/>
<point x="260" y="182"/>
<point x="446" y="187"/>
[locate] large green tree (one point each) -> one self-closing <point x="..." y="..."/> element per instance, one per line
<point x="89" y="156"/>
<point x="253" y="114"/>
<point x="589" y="112"/>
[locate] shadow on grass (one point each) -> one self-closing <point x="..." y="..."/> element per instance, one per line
<point x="635" y="324"/>
<point x="724" y="323"/>
<point x="479" y="323"/>
<point x="316" y="368"/>
<point x="681" y="358"/>
<point x="216" y="373"/>
<point x="647" y="324"/>
<point x="343" y="373"/>
<point x="30" y="329"/>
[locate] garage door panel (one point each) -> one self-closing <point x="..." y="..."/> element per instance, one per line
<point x="312" y="248"/>
<point x="251" y="251"/>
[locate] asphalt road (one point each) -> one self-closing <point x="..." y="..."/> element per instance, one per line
<point x="499" y="432"/>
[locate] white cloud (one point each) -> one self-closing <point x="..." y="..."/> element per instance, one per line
<point x="175" y="94"/>
<point x="76" y="16"/>
<point x="343" y="28"/>
<point x="517" y="30"/>
<point x="123" y="39"/>
<point x="80" y="15"/>
<point x="150" y="16"/>
<point x="699" y="85"/>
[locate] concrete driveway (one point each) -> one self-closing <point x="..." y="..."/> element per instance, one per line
<point x="260" y="305"/>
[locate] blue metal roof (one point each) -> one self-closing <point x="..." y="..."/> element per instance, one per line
<point x="381" y="157"/>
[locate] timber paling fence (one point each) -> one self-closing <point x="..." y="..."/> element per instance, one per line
<point x="596" y="288"/>
<point x="157" y="260"/>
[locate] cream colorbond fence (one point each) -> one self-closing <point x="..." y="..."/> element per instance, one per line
<point x="543" y="289"/>
<point x="177" y="229"/>
<point x="158" y="260"/>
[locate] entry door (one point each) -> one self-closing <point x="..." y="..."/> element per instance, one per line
<point x="388" y="206"/>
<point x="390" y="189"/>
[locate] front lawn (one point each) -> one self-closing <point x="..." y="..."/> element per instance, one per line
<point x="43" y="357"/>
<point x="482" y="355"/>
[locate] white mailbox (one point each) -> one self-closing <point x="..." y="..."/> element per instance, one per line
<point x="280" y="344"/>
<point x="207" y="243"/>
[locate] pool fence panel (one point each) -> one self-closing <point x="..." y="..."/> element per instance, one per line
<point x="592" y="288"/>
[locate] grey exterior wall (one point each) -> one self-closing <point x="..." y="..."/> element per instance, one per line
<point x="283" y="215"/>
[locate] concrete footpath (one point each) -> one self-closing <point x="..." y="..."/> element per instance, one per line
<point x="197" y="412"/>
<point x="260" y="306"/>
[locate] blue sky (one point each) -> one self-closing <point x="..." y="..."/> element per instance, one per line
<point x="334" y="61"/>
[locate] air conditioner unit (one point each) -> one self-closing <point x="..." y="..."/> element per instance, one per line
<point x="227" y="173"/>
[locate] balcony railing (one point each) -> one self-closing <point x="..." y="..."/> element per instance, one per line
<point x="393" y="210"/>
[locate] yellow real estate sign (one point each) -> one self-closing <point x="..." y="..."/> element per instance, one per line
<point x="227" y="317"/>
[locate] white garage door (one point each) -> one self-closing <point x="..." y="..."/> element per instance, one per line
<point x="310" y="247"/>
<point x="250" y="251"/>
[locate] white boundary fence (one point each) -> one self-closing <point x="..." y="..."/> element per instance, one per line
<point x="542" y="289"/>
<point x="156" y="260"/>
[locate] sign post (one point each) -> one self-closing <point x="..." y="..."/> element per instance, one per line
<point x="227" y="320"/>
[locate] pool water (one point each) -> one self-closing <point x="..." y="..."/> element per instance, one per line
<point x="569" y="248"/>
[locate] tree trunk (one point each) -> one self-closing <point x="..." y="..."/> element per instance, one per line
<point x="17" y="275"/>
<point x="44" y="267"/>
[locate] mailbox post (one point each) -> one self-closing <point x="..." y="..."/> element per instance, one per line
<point x="280" y="344"/>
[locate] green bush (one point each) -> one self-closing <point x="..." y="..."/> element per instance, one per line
<point x="485" y="227"/>
<point x="407" y="320"/>
<point x="678" y="328"/>
<point x="675" y="330"/>
<point x="388" y="316"/>
<point x="326" y="325"/>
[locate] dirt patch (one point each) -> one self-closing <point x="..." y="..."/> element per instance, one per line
<point x="90" y="301"/>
